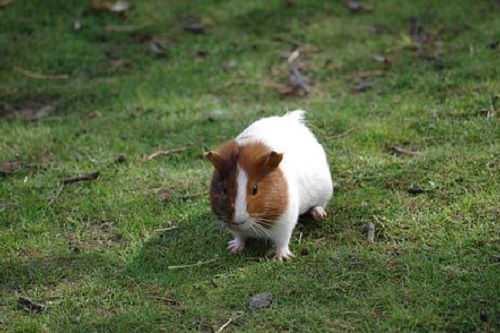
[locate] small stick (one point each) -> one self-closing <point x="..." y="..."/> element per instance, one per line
<point x="168" y="300"/>
<point x="370" y="227"/>
<point x="165" y="229"/>
<point x="224" y="326"/>
<point x="401" y="151"/>
<point x="34" y="75"/>
<point x="199" y="263"/>
<point x="343" y="134"/>
<point x="264" y="84"/>
<point x="84" y="178"/>
<point x="164" y="152"/>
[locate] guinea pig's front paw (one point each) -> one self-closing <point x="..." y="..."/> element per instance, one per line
<point x="236" y="245"/>
<point x="284" y="254"/>
<point x="318" y="213"/>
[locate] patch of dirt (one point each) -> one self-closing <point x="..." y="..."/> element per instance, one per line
<point x="94" y="234"/>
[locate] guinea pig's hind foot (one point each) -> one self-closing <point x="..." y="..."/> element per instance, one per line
<point x="236" y="245"/>
<point x="317" y="212"/>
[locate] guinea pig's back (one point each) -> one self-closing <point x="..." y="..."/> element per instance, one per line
<point x="304" y="159"/>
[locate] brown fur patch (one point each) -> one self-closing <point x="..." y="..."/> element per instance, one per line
<point x="223" y="186"/>
<point x="262" y="167"/>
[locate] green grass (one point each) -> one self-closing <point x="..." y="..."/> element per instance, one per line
<point x="89" y="251"/>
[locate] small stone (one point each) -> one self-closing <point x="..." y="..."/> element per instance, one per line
<point x="262" y="300"/>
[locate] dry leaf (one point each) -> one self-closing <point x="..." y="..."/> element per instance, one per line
<point x="30" y="305"/>
<point x="158" y="48"/>
<point x="10" y="167"/>
<point x="402" y="151"/>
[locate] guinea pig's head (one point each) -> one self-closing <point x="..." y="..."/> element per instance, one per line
<point x="248" y="189"/>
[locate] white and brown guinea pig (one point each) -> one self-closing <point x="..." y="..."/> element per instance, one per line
<point x="264" y="179"/>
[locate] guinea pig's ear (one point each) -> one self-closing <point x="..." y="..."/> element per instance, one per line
<point x="216" y="159"/>
<point x="269" y="162"/>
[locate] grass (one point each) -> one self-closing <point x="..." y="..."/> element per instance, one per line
<point x="89" y="251"/>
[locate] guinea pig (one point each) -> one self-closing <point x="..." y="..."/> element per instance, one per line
<point x="266" y="177"/>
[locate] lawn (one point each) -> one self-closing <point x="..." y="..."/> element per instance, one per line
<point x="404" y="96"/>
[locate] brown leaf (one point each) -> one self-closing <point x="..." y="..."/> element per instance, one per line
<point x="363" y="86"/>
<point x="30" y="305"/>
<point x="10" y="167"/>
<point x="33" y="111"/>
<point x="415" y="190"/>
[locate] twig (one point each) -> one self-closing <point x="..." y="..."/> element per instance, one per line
<point x="199" y="263"/>
<point x="234" y="82"/>
<point x="84" y="178"/>
<point x="165" y="229"/>
<point x="343" y="134"/>
<point x="30" y="305"/>
<point x="34" y="75"/>
<point x="164" y="152"/>
<point x="168" y="300"/>
<point x="370" y="227"/>
<point x="402" y="151"/>
<point x="224" y="326"/>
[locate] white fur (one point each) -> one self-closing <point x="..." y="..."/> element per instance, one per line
<point x="241" y="213"/>
<point x="305" y="168"/>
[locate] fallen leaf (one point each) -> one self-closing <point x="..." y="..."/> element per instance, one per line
<point x="363" y="86"/>
<point x="164" y="194"/>
<point x="415" y="190"/>
<point x="119" y="6"/>
<point x="30" y="305"/>
<point x="158" y="48"/>
<point x="87" y="177"/>
<point x="354" y="6"/>
<point x="94" y="115"/>
<point x="33" y="111"/>
<point x="261" y="300"/>
<point x="195" y="29"/>
<point x="10" y="167"/>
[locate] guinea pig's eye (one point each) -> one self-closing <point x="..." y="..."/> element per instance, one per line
<point x="255" y="189"/>
<point x="223" y="190"/>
